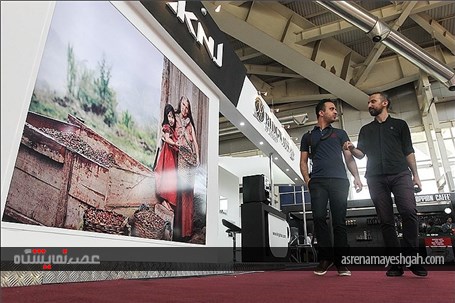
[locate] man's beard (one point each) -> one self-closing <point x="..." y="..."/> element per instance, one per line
<point x="374" y="112"/>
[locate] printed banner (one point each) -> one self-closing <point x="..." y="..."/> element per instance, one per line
<point x="115" y="139"/>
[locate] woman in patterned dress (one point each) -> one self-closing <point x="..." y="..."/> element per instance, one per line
<point x="187" y="161"/>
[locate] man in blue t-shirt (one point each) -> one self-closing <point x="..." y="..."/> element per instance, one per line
<point x="328" y="182"/>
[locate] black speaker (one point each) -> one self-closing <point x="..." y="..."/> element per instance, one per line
<point x="256" y="189"/>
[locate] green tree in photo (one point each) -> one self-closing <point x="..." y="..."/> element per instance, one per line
<point x="127" y="119"/>
<point x="107" y="98"/>
<point x="86" y="93"/>
<point x="71" y="72"/>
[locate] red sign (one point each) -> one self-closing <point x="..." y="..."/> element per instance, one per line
<point x="438" y="241"/>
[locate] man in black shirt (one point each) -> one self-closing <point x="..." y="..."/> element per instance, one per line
<point x="328" y="182"/>
<point x="391" y="160"/>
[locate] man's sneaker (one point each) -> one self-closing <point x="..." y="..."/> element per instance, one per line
<point x="418" y="270"/>
<point x="322" y="267"/>
<point x="395" y="271"/>
<point x="343" y="270"/>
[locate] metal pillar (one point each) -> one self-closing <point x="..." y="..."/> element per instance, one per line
<point x="430" y="107"/>
<point x="272" y="189"/>
<point x="424" y="97"/>
<point x="305" y="232"/>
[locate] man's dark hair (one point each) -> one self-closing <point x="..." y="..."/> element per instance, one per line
<point x="384" y="96"/>
<point x="321" y="106"/>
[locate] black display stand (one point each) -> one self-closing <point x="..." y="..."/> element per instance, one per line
<point x="255" y="232"/>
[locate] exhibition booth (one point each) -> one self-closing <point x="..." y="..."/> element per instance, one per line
<point x="100" y="100"/>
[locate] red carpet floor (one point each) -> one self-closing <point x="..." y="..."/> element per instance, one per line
<point x="276" y="286"/>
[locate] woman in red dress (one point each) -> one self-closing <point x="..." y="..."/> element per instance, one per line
<point x="166" y="165"/>
<point x="187" y="161"/>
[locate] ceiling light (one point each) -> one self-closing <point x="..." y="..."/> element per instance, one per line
<point x="300" y="119"/>
<point x="448" y="210"/>
<point x="218" y="9"/>
<point x="276" y="158"/>
<point x="287" y="169"/>
<point x="261" y="143"/>
<point x="242" y="123"/>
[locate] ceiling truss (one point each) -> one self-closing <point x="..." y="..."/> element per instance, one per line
<point x="299" y="53"/>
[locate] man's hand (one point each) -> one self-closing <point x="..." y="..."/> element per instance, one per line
<point x="306" y="180"/>
<point x="417" y="184"/>
<point x="358" y="185"/>
<point x="348" y="146"/>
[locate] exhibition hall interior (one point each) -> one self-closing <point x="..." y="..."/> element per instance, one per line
<point x="147" y="143"/>
<point x="357" y="66"/>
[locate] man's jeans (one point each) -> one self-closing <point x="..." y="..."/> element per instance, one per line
<point x="335" y="191"/>
<point x="402" y="188"/>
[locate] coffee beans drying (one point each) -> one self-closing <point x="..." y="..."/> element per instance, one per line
<point x="75" y="143"/>
<point x="104" y="218"/>
<point x="150" y="219"/>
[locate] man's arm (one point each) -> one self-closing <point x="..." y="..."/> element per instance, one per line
<point x="354" y="151"/>
<point x="304" y="166"/>
<point x="352" y="166"/>
<point x="411" y="159"/>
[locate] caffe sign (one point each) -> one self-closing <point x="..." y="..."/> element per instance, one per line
<point x="273" y="129"/>
<point x="433" y="197"/>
